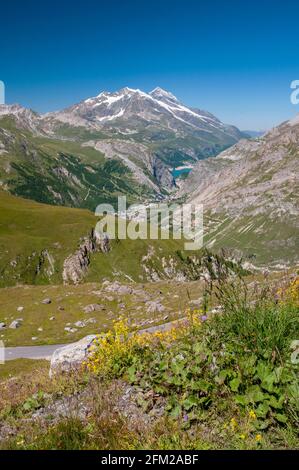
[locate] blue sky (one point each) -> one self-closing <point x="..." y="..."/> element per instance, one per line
<point x="235" y="58"/>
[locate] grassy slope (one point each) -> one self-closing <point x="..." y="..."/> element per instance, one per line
<point x="29" y="229"/>
<point x="262" y="240"/>
<point x="68" y="303"/>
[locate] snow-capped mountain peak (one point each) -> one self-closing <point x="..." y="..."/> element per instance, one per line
<point x="129" y="91"/>
<point x="160" y="94"/>
<point x="130" y="110"/>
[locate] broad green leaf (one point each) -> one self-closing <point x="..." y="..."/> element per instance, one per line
<point x="189" y="402"/>
<point x="276" y="403"/>
<point x="241" y="400"/>
<point x="131" y="373"/>
<point x="235" y="384"/>
<point x="281" y="418"/>
<point x="201" y="385"/>
<point x="254" y="394"/>
<point x="262" y="410"/>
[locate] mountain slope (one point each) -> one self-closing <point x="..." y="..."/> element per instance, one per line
<point x="250" y="194"/>
<point x="130" y="108"/>
<point x="25" y="119"/>
<point x="155" y="118"/>
<point x="39" y="244"/>
<point x="64" y="172"/>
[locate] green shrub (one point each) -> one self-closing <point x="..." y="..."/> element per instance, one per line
<point x="239" y="358"/>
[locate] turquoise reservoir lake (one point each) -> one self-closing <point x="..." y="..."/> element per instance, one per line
<point x="181" y="172"/>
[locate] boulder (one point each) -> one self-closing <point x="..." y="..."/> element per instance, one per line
<point x="71" y="356"/>
<point x="117" y="288"/>
<point x="93" y="308"/>
<point x="46" y="301"/>
<point x="15" y="324"/>
<point x="69" y="329"/>
<point x="2" y="326"/>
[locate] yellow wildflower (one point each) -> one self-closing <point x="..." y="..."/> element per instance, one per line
<point x="258" y="437"/>
<point x="252" y="414"/>
<point x="233" y="423"/>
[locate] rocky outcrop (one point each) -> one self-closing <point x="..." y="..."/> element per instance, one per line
<point x="46" y="264"/>
<point x="76" y="265"/>
<point x="156" y="268"/>
<point x="163" y="174"/>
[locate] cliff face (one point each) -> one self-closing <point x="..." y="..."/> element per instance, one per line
<point x="163" y="175"/>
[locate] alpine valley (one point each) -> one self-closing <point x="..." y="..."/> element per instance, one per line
<point x="125" y="323"/>
<point x="129" y="142"/>
<point x="64" y="283"/>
